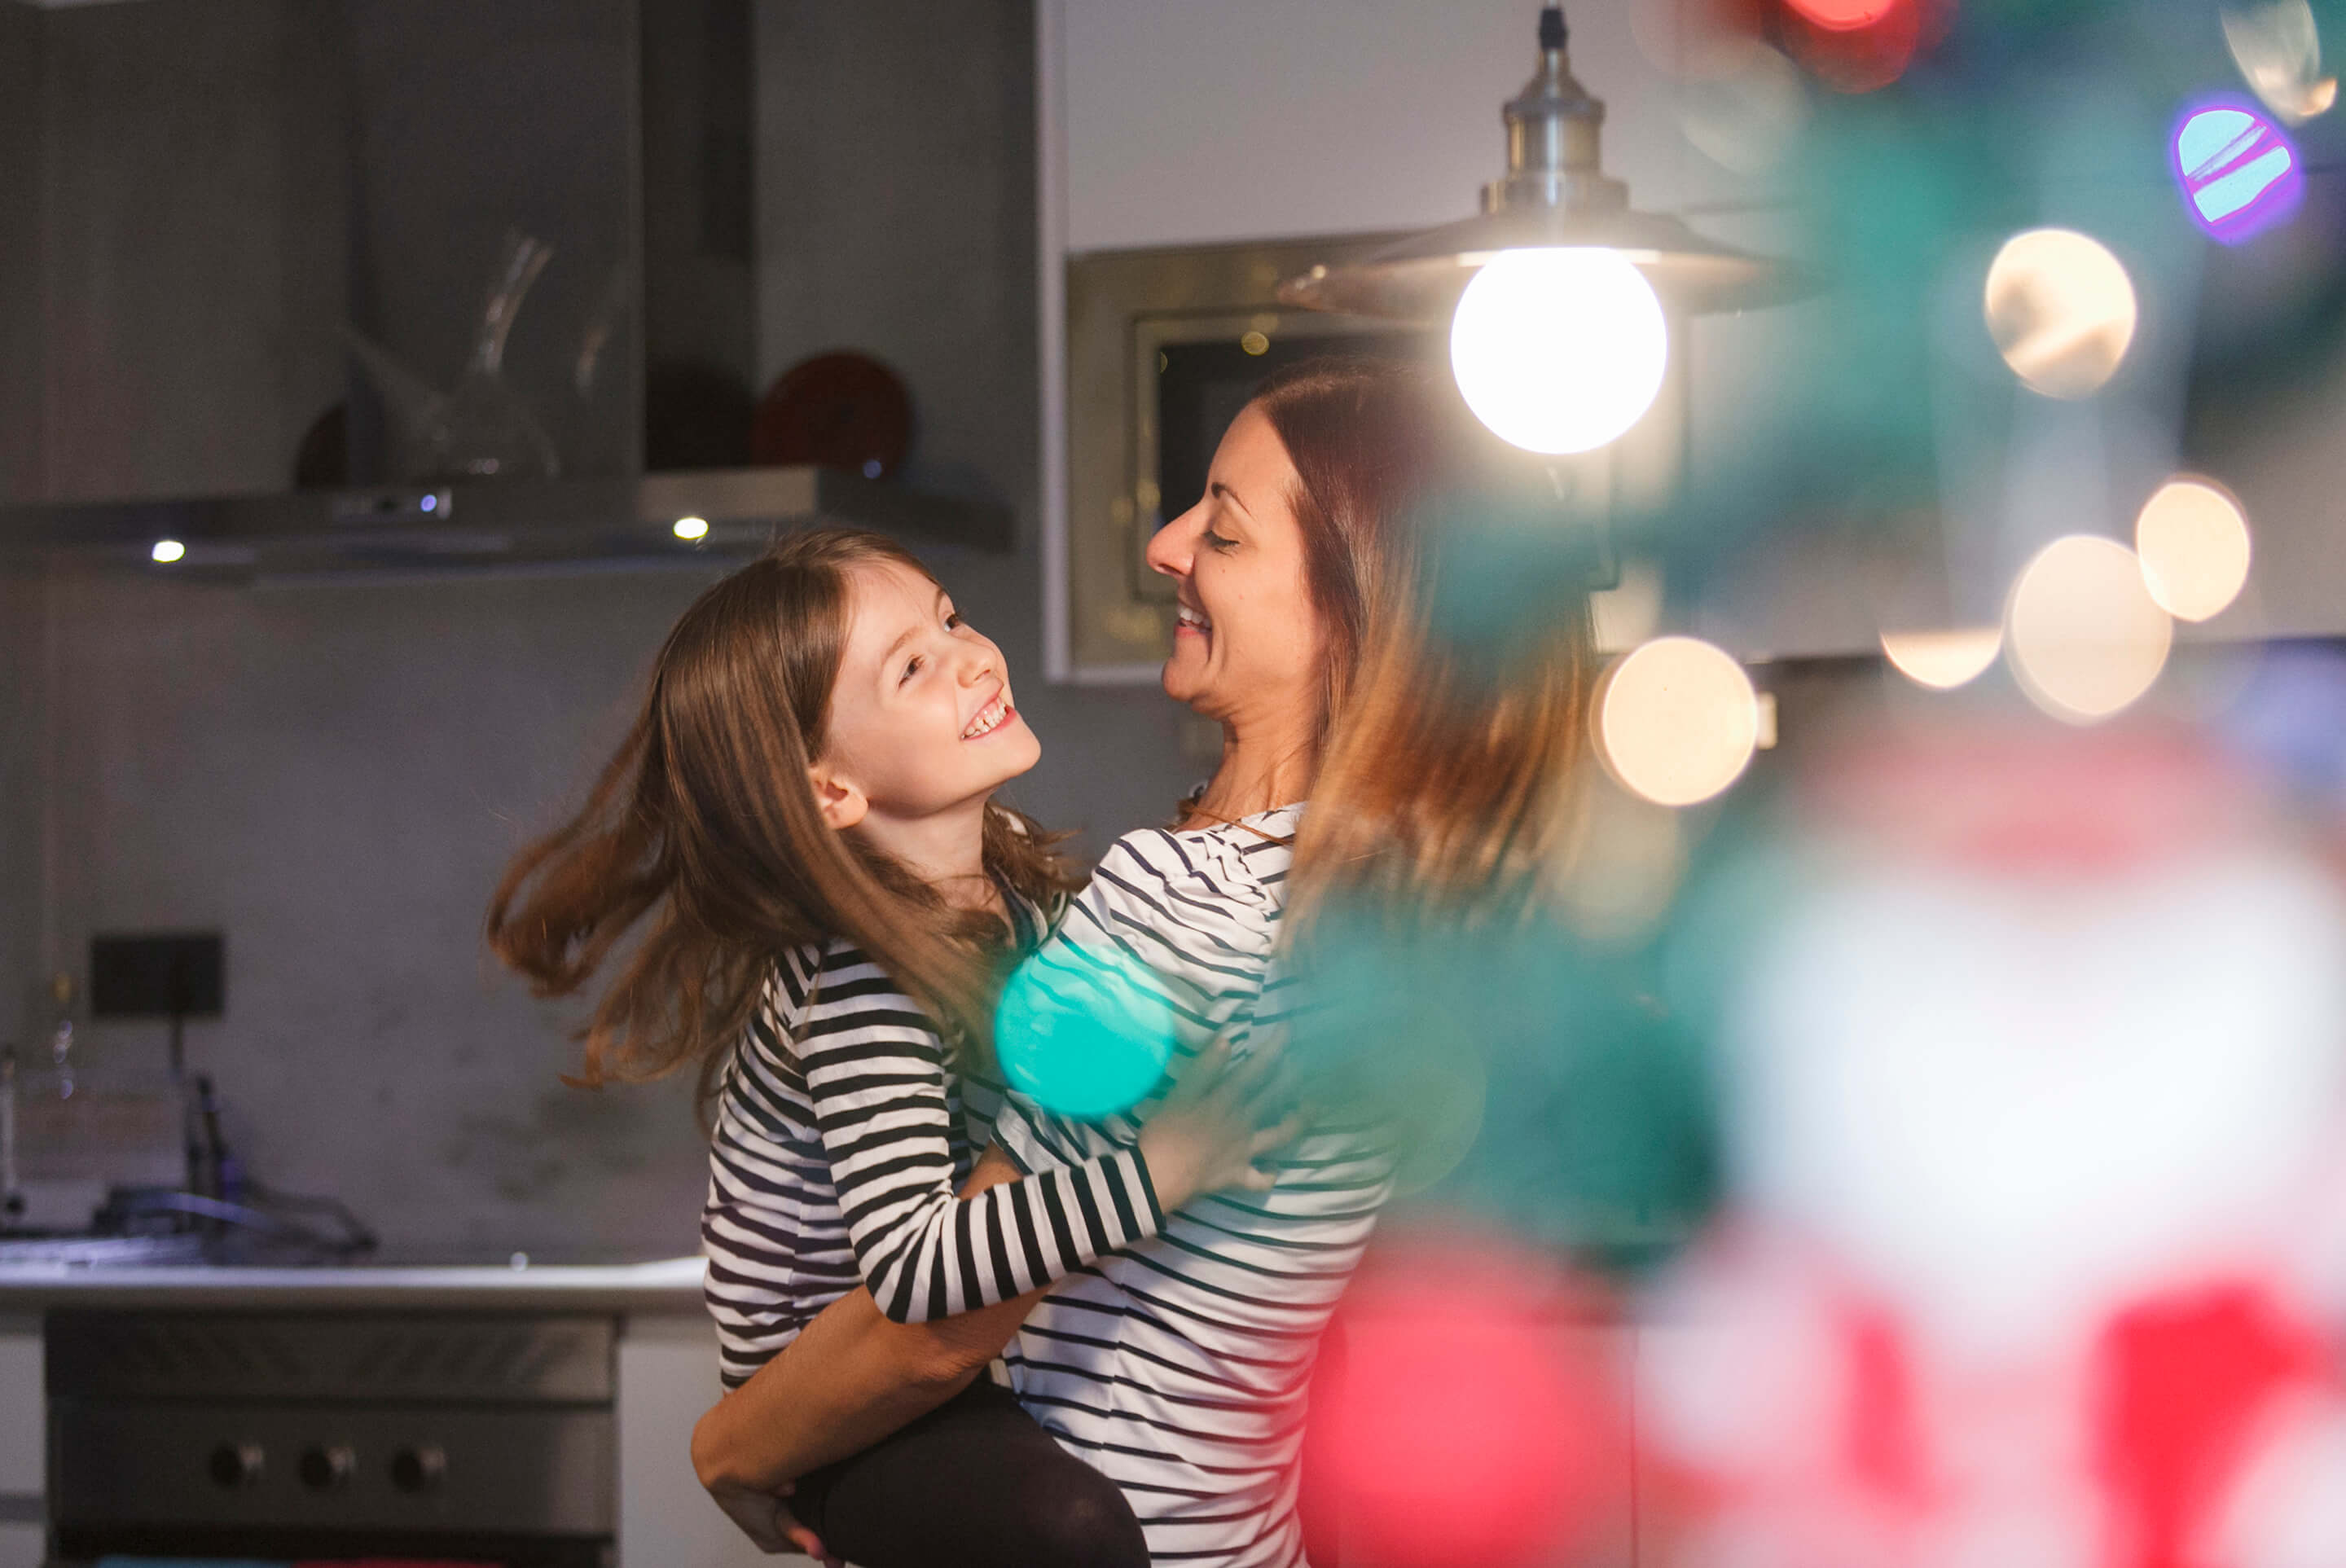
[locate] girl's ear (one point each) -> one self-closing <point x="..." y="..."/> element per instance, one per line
<point x="843" y="805"/>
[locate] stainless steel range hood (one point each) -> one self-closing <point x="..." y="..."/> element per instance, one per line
<point x="512" y="525"/>
<point x="410" y="135"/>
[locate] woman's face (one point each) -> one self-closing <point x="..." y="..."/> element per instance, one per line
<point x="921" y="716"/>
<point x="1247" y="648"/>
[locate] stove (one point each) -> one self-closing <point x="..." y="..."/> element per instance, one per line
<point x="477" y="1436"/>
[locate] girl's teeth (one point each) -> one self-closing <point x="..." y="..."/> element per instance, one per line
<point x="988" y="719"/>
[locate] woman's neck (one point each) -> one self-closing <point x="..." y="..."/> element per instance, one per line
<point x="945" y="849"/>
<point x="1260" y="769"/>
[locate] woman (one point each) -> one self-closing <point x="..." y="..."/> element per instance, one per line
<point x="1438" y="774"/>
<point x="801" y="824"/>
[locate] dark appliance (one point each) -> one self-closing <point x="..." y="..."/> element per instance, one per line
<point x="474" y="1436"/>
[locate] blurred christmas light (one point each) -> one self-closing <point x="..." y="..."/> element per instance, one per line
<point x="1943" y="660"/>
<point x="1676" y="721"/>
<point x="1559" y="350"/>
<point x="2240" y="174"/>
<point x="2278" y="47"/>
<point x="2083" y="634"/>
<point x="1855" y="46"/>
<point x="2061" y="310"/>
<point x="1845" y="16"/>
<point x="2193" y="541"/>
<point x="1082" y="1037"/>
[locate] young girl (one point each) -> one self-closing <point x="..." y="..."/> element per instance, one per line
<point x="801" y="823"/>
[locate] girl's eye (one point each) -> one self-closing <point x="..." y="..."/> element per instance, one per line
<point x="912" y="668"/>
<point x="954" y="622"/>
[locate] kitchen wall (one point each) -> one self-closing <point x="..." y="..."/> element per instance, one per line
<point x="332" y="775"/>
<point x="20" y="255"/>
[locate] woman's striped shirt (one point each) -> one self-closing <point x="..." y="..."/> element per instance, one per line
<point x="1178" y="1365"/>
<point x="839" y="1146"/>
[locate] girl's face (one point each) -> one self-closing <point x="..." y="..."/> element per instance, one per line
<point x="1247" y="643"/>
<point x="920" y="717"/>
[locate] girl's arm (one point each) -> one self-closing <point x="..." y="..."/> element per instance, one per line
<point x="875" y="1071"/>
<point x="849" y="1380"/>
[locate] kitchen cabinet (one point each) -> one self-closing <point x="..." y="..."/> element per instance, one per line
<point x="23" y="1416"/>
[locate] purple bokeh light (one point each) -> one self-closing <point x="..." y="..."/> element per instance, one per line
<point x="2240" y="175"/>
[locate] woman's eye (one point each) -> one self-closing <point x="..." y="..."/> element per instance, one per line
<point x="1215" y="541"/>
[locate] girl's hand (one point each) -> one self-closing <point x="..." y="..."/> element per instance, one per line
<point x="1208" y="1131"/>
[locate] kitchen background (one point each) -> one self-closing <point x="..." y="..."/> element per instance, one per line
<point x="332" y="775"/>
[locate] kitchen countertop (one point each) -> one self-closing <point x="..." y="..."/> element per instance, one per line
<point x="670" y="1285"/>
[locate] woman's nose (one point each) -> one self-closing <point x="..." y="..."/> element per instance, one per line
<point x="1172" y="548"/>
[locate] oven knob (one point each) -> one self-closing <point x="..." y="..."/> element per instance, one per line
<point x="325" y="1468"/>
<point x="418" y="1468"/>
<point x="236" y="1464"/>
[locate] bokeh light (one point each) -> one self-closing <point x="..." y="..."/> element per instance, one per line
<point x="1844" y="16"/>
<point x="2061" y="310"/>
<point x="2193" y="541"/>
<point x="167" y="551"/>
<point x="1083" y="1037"/>
<point x="1944" y="659"/>
<point x="1677" y="720"/>
<point x="1559" y="350"/>
<point x="2083" y="634"/>
<point x="2278" y="46"/>
<point x="1855" y="46"/>
<point x="2239" y="174"/>
<point x="690" y="529"/>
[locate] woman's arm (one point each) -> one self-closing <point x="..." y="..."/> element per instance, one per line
<point x="849" y="1380"/>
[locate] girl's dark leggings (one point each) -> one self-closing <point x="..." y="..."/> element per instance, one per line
<point x="974" y="1483"/>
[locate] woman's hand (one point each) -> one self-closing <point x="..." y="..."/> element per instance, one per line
<point x="765" y="1517"/>
<point x="1209" y="1133"/>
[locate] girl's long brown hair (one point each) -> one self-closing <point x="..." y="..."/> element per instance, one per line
<point x="704" y="828"/>
<point x="1448" y="766"/>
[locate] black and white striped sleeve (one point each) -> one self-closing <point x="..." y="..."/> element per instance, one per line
<point x="875" y="1071"/>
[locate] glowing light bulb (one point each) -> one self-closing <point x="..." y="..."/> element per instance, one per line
<point x="2193" y="540"/>
<point x="1943" y="660"/>
<point x="1559" y="350"/>
<point x="2084" y="634"/>
<point x="167" y="551"/>
<point x="2061" y="310"/>
<point x="1677" y="722"/>
<point x="692" y="527"/>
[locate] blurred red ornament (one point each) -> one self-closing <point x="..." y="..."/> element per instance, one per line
<point x="1475" y="1422"/>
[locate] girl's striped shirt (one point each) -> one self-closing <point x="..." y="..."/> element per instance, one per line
<point x="839" y="1146"/>
<point x="1178" y="1365"/>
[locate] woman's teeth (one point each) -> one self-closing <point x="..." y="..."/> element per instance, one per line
<point x="988" y="718"/>
<point x="1193" y="620"/>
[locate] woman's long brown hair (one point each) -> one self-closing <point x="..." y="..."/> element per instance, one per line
<point x="704" y="829"/>
<point x="1448" y="766"/>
